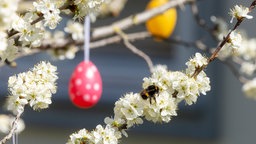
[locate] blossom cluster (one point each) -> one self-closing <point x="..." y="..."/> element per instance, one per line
<point x="100" y="135"/>
<point x="34" y="88"/>
<point x="75" y="29"/>
<point x="129" y="110"/>
<point x="50" y="11"/>
<point x="29" y="35"/>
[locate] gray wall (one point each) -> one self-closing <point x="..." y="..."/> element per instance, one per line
<point x="224" y="116"/>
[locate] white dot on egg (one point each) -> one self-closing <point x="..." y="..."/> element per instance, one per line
<point x="80" y="69"/>
<point x="96" y="86"/>
<point x="93" y="68"/>
<point x="94" y="97"/>
<point x="78" y="82"/>
<point x="86" y="97"/>
<point x="88" y="86"/>
<point x="89" y="74"/>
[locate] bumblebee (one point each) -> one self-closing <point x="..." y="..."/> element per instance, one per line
<point x="150" y="93"/>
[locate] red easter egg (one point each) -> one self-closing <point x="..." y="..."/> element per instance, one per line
<point x="85" y="85"/>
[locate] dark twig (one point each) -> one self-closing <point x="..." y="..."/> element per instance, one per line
<point x="201" y="22"/>
<point x="197" y="44"/>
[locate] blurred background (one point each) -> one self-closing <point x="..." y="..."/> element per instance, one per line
<point x="223" y="116"/>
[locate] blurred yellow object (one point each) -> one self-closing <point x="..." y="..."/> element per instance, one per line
<point x="161" y="25"/>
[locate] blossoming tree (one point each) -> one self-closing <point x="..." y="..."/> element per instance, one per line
<point x="25" y="31"/>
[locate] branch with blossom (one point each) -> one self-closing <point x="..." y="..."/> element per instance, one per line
<point x="129" y="110"/>
<point x="33" y="88"/>
<point x="239" y="47"/>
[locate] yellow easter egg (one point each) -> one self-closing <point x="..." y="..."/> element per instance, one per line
<point x="164" y="24"/>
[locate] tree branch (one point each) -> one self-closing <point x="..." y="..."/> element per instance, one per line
<point x="135" y="19"/>
<point x="96" y="44"/>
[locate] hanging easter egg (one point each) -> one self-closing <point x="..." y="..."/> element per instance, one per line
<point x="85" y="85"/>
<point x="164" y="24"/>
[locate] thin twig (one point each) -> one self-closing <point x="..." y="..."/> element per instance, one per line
<point x="197" y="44"/>
<point x="201" y="22"/>
<point x="235" y="71"/>
<point x="115" y="39"/>
<point x="135" y="50"/>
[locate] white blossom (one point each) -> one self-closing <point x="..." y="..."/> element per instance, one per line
<point x="248" y="49"/>
<point x="10" y="52"/>
<point x="162" y="109"/>
<point x="185" y="87"/>
<point x="16" y="104"/>
<point x="105" y="135"/>
<point x="249" y="88"/>
<point x="160" y="77"/>
<point x="82" y="136"/>
<point x="129" y="108"/>
<point x="75" y="29"/>
<point x="203" y="83"/>
<point x="247" y="68"/>
<point x="197" y="61"/>
<point x="118" y="124"/>
<point x="235" y="40"/>
<point x="240" y="12"/>
<point x="6" y="124"/>
<point x="86" y="7"/>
